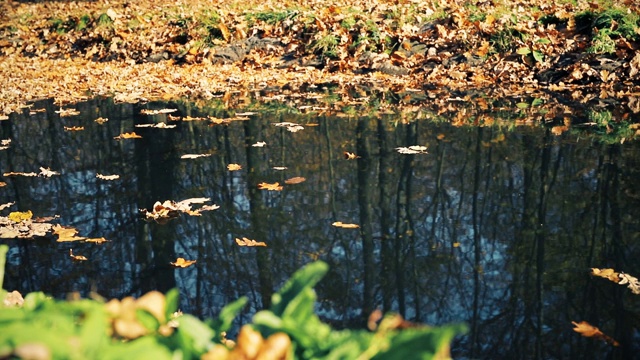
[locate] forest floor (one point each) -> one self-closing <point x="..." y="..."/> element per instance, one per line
<point x="567" y="51"/>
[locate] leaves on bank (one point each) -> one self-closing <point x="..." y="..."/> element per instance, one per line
<point x="249" y="242"/>
<point x="182" y="263"/>
<point x="169" y="209"/>
<point x="587" y="330"/>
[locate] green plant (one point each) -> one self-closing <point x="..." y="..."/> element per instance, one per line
<point x="104" y="20"/>
<point x="148" y="328"/>
<point x="506" y="40"/>
<point x="271" y="17"/>
<point x="326" y="46"/>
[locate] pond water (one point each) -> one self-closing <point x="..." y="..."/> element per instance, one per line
<point x="492" y="226"/>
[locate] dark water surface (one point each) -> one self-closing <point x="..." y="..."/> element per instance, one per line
<point x="493" y="227"/>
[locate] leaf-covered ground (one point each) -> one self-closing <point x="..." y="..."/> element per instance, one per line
<point x="580" y="51"/>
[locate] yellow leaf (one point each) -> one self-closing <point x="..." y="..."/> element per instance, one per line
<point x="248" y="242"/>
<point x="181" y="262"/>
<point x="19" y="216"/>
<point x="266" y="186"/>
<point x="350" y="156"/>
<point x="295" y="180"/>
<point x="66" y="234"/>
<point x="131" y="135"/>
<point x="340" y="224"/>
<point x="234" y="167"/>
<point x="606" y="273"/>
<point x="76" y="257"/>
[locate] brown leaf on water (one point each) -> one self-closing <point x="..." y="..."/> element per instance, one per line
<point x="46" y="172"/>
<point x="194" y="156"/>
<point x="182" y="263"/>
<point x="163" y="212"/>
<point x="13" y="173"/>
<point x="73" y="128"/>
<point x="160" y="125"/>
<point x="609" y="274"/>
<point x="131" y="135"/>
<point x="107" y="177"/>
<point x="3" y="184"/>
<point x="632" y="283"/>
<point x="295" y="180"/>
<point x="4" y="206"/>
<point x="77" y="257"/>
<point x="587" y="330"/>
<point x="267" y="186"/>
<point x="156" y="112"/>
<point x="66" y="234"/>
<point x="234" y="167"/>
<point x="249" y="242"/>
<point x="101" y="120"/>
<point x="350" y="156"/>
<point x="98" y="241"/>
<point x="67" y="112"/>
<point x="342" y="225"/>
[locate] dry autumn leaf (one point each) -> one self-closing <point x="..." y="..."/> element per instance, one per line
<point x="182" y="263"/>
<point x="249" y="242"/>
<point x="77" y="257"/>
<point x="156" y="112"/>
<point x="234" y="167"/>
<point x="67" y="112"/>
<point x="160" y="125"/>
<point x="19" y="216"/>
<point x="587" y="330"/>
<point x="12" y="173"/>
<point x="101" y="120"/>
<point x="194" y="156"/>
<point x="4" y="206"/>
<point x="350" y="156"/>
<point x="107" y="177"/>
<point x="46" y="172"/>
<point x="273" y="187"/>
<point x="73" y="128"/>
<point x="131" y="135"/>
<point x="606" y="273"/>
<point x="259" y="144"/>
<point x="342" y="225"/>
<point x="98" y="241"/>
<point x="66" y="234"/>
<point x="295" y="180"/>
<point x="2" y="183"/>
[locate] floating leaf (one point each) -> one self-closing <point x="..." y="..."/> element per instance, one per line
<point x="340" y="224"/>
<point x="292" y="127"/>
<point x="163" y="212"/>
<point x="295" y="180"/>
<point x="606" y="273"/>
<point x="4" y="206"/>
<point x="156" y="112"/>
<point x="248" y="242"/>
<point x="73" y="128"/>
<point x="160" y="125"/>
<point x="107" y="177"/>
<point x="101" y="120"/>
<point x="67" y="112"/>
<point x="66" y="234"/>
<point x="632" y="283"/>
<point x="2" y="183"/>
<point x="76" y="257"/>
<point x="280" y="168"/>
<point x="19" y="174"/>
<point x="266" y="186"/>
<point x="19" y="216"/>
<point x="350" y="156"/>
<point x="131" y="135"/>
<point x="413" y="149"/>
<point x="259" y="144"/>
<point x="98" y="241"/>
<point x="46" y="172"/>
<point x="194" y="156"/>
<point x="587" y="330"/>
<point x="181" y="262"/>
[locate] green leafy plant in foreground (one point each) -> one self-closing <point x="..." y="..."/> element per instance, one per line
<point x="148" y="328"/>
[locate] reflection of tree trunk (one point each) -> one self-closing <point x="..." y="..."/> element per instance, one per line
<point x="385" y="169"/>
<point x="366" y="212"/>
<point x="403" y="224"/>
<point x="156" y="178"/>
<point x="477" y="248"/>
<point x="259" y="215"/>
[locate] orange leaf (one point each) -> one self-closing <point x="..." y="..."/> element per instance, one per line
<point x="295" y="180"/>
<point x="266" y="186"/>
<point x="66" y="234"/>
<point x="609" y="274"/>
<point x="248" y="242"/>
<point x="181" y="262"/>
<point x="77" y="257"/>
<point x="350" y="156"/>
<point x="73" y="128"/>
<point x="131" y="135"/>
<point x="234" y="167"/>
<point x="587" y="330"/>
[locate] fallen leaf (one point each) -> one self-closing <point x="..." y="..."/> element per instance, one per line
<point x="77" y="257"/>
<point x="4" y="206"/>
<point x="99" y="240"/>
<point x="181" y="262"/>
<point x="108" y="177"/>
<point x="101" y="120"/>
<point x="295" y="180"/>
<point x="606" y="273"/>
<point x="259" y="144"/>
<point x="234" y="167"/>
<point x="632" y="282"/>
<point x="73" y="128"/>
<point x="414" y="149"/>
<point x="350" y="156"/>
<point x="2" y="183"/>
<point x="66" y="234"/>
<point x="67" y="112"/>
<point x="248" y="242"/>
<point x="156" y="112"/>
<point x="266" y="186"/>
<point x="292" y="127"/>
<point x="19" y="216"/>
<point x="19" y="174"/>
<point x="46" y="172"/>
<point x="340" y="224"/>
<point x="587" y="330"/>
<point x="280" y="168"/>
<point x="160" y="125"/>
<point x="131" y="135"/>
<point x="194" y="156"/>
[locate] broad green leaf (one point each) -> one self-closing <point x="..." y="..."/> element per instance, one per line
<point x="92" y="333"/>
<point x="307" y="277"/>
<point x="147" y="320"/>
<point x="538" y="56"/>
<point x="543" y="41"/>
<point x="172" y="299"/>
<point x="145" y="348"/>
<point x="3" y="260"/>
<point x="522" y="105"/>
<point x="420" y="343"/>
<point x="523" y="51"/>
<point x="228" y="314"/>
<point x="537" y="102"/>
<point x="195" y="336"/>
